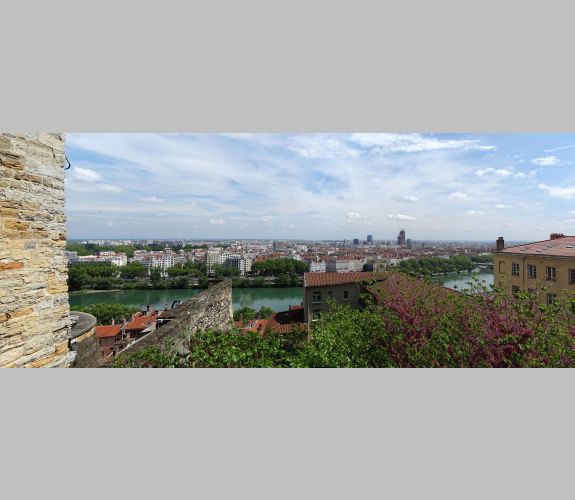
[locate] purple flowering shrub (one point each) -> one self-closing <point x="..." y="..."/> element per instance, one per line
<point x="426" y="325"/>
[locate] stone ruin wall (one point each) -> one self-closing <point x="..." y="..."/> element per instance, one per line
<point x="34" y="310"/>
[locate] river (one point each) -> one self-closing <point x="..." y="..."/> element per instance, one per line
<point x="460" y="281"/>
<point x="279" y="299"/>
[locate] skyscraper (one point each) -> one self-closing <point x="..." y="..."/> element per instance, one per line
<point x="356" y="241"/>
<point x="369" y="239"/>
<point x="401" y="238"/>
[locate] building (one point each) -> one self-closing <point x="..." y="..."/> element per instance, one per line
<point x="549" y="263"/>
<point x="316" y="266"/>
<point x="213" y="258"/>
<point x="241" y="263"/>
<point x="321" y="288"/>
<point x="163" y="260"/>
<point x="356" y="241"/>
<point x="345" y="265"/>
<point x="401" y="238"/>
<point x="370" y="239"/>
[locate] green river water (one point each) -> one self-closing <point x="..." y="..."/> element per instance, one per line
<point x="279" y="299"/>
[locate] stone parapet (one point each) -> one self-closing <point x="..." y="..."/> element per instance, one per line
<point x="34" y="310"/>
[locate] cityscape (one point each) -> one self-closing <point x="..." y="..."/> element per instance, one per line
<point x="286" y="250"/>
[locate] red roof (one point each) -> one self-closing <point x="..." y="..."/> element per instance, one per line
<point x="105" y="331"/>
<point x="557" y="247"/>
<point x="141" y="322"/>
<point x="326" y="279"/>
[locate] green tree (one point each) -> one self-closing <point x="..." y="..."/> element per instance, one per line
<point x="245" y="314"/>
<point x="105" y="313"/>
<point x="265" y="312"/>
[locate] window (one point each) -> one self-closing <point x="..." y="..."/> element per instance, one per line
<point x="316" y="298"/>
<point x="330" y="295"/>
<point x="551" y="273"/>
<point x="515" y="269"/>
<point x="532" y="271"/>
<point x="551" y="298"/>
<point x="515" y="290"/>
<point x="571" y="276"/>
<point x="346" y="295"/>
<point x="316" y="313"/>
<point x="501" y="266"/>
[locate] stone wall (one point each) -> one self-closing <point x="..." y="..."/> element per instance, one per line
<point x="34" y="310"/>
<point x="211" y="309"/>
<point x="84" y="341"/>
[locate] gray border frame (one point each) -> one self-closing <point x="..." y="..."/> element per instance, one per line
<point x="293" y="66"/>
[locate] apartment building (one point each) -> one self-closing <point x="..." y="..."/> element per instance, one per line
<point x="549" y="263"/>
<point x="344" y="266"/>
<point x="321" y="288"/>
<point x="163" y="260"/>
<point x="242" y="263"/>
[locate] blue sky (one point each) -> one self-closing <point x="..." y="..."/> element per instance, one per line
<point x="320" y="186"/>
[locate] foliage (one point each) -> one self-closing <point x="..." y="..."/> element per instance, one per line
<point x="104" y="313"/>
<point x="436" y="265"/>
<point x="481" y="259"/>
<point x="211" y="349"/>
<point x="345" y="338"/>
<point x="245" y="314"/>
<point x="275" y="267"/>
<point x="100" y="275"/>
<point x="133" y="270"/>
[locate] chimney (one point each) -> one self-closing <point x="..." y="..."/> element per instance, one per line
<point x="500" y="243"/>
<point x="556" y="236"/>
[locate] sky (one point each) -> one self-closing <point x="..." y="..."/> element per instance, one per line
<point x="320" y="186"/>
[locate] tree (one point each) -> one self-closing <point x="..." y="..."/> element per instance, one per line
<point x="105" y="313"/>
<point x="134" y="270"/>
<point x="245" y="314"/>
<point x="265" y="312"/>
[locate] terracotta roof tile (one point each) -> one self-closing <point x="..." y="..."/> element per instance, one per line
<point x="326" y="279"/>
<point x="558" y="247"/>
<point x="105" y="331"/>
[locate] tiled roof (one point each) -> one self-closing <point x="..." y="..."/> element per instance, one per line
<point x="326" y="279"/>
<point x="558" y="247"/>
<point x="105" y="331"/>
<point x="141" y="322"/>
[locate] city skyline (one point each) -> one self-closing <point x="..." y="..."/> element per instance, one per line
<point x="320" y="186"/>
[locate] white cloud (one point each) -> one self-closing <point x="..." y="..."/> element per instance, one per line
<point x="217" y="221"/>
<point x="502" y="206"/>
<point x="559" y="149"/>
<point x="474" y="212"/>
<point x="558" y="191"/>
<point x="412" y="143"/>
<point x="266" y="218"/>
<point x="153" y="199"/>
<point x="458" y="195"/>
<point x="320" y="146"/>
<point x="86" y="175"/>
<point x="400" y="217"/>
<point x="407" y="199"/>
<point x="495" y="171"/>
<point x="547" y="161"/>
<point x="110" y="188"/>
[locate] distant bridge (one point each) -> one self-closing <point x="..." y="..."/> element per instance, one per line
<point x="485" y="265"/>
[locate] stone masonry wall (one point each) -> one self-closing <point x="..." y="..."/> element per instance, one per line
<point x="211" y="309"/>
<point x="34" y="310"/>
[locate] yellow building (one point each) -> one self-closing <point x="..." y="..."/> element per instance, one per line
<point x="549" y="263"/>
